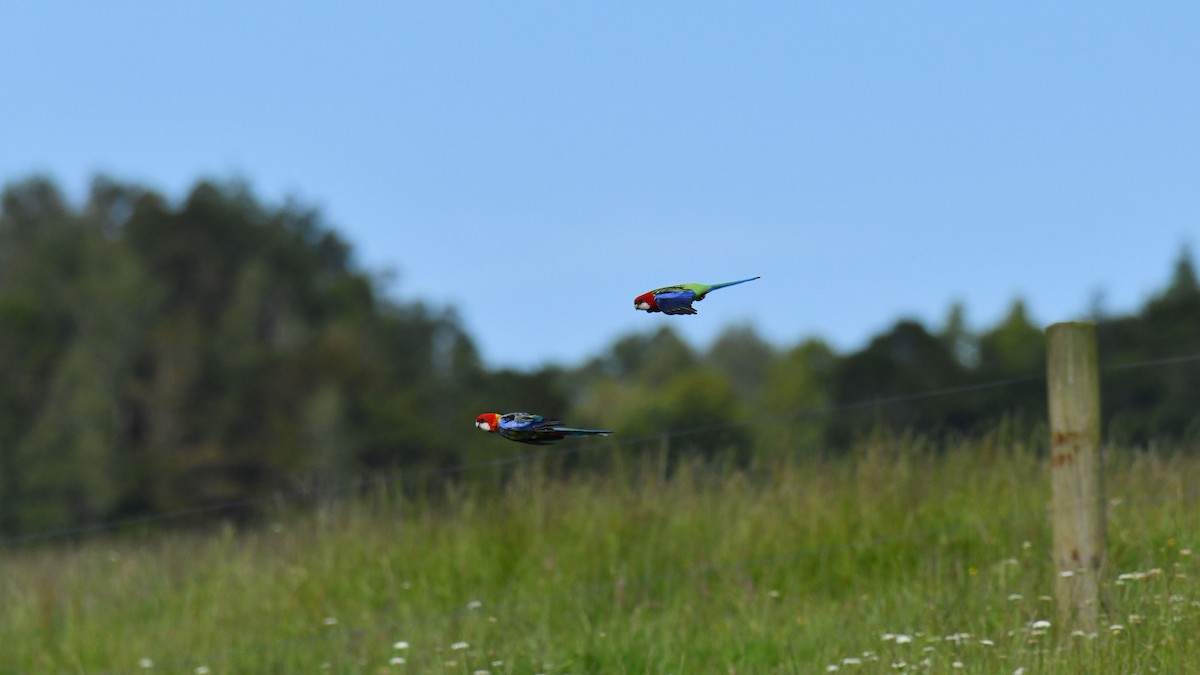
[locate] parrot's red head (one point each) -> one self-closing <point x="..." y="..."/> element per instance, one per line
<point x="645" y="302"/>
<point x="488" y="422"/>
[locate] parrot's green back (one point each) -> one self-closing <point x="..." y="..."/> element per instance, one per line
<point x="700" y="289"/>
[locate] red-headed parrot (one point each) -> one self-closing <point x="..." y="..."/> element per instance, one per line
<point x="526" y="427"/>
<point x="678" y="299"/>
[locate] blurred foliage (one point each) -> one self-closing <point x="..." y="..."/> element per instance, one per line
<point x="160" y="357"/>
<point x="157" y="357"/>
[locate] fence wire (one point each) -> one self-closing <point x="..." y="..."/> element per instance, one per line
<point x="361" y="481"/>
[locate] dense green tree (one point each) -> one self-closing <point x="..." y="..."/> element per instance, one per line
<point x="649" y="357"/>
<point x="88" y="293"/>
<point x="1014" y="348"/>
<point x="744" y="359"/>
<point x="957" y="337"/>
<point x="72" y="457"/>
<point x="29" y="348"/>
<point x="905" y="360"/>
<point x="795" y="398"/>
<point x="1158" y="402"/>
<point x="160" y="357"/>
<point x="695" y="414"/>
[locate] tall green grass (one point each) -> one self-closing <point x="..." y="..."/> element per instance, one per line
<point x="904" y="556"/>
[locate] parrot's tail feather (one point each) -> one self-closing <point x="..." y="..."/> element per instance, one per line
<point x="731" y="283"/>
<point x="571" y="431"/>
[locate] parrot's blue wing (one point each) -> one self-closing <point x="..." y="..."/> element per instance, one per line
<point x="675" y="302"/>
<point x="520" y="420"/>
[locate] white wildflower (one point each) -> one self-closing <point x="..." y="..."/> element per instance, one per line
<point x="330" y="621"/>
<point x="831" y="668"/>
<point x="1040" y="624"/>
<point x="1067" y="574"/>
<point x="400" y="645"/>
<point x="1015" y="597"/>
<point x="457" y="646"/>
<point x="987" y="643"/>
<point x="1140" y="576"/>
<point x="397" y="661"/>
<point x="474" y="604"/>
<point x="903" y="639"/>
<point x="1116" y="628"/>
<point x="851" y="661"/>
<point x="146" y="663"/>
<point x="956" y="664"/>
<point x="201" y="670"/>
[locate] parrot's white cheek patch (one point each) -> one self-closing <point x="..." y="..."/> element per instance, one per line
<point x="484" y="425"/>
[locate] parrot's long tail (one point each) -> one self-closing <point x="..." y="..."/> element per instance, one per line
<point x="571" y="431"/>
<point x="731" y="283"/>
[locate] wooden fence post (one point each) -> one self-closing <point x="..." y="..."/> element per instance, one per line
<point x="1077" y="502"/>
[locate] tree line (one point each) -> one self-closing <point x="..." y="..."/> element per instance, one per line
<point x="156" y="357"/>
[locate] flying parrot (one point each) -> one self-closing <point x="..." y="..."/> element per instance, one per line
<point x="526" y="427"/>
<point x="678" y="299"/>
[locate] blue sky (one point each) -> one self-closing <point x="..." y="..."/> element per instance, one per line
<point x="537" y="165"/>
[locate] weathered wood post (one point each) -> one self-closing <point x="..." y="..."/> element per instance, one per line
<point x="1077" y="502"/>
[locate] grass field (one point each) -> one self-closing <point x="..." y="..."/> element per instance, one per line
<point x="901" y="557"/>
